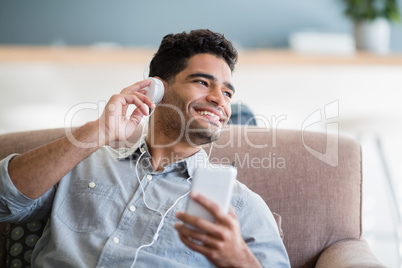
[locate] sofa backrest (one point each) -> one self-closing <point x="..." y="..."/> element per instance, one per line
<point x="312" y="180"/>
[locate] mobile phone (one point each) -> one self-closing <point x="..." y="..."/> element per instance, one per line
<point x="215" y="182"/>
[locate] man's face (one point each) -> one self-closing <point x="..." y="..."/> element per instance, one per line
<point x="201" y="96"/>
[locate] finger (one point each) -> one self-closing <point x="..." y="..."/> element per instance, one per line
<point x="197" y="236"/>
<point x="138" y="90"/>
<point x="136" y="115"/>
<point x="203" y="247"/>
<point x="232" y="212"/>
<point x="142" y="102"/>
<point x="221" y="217"/>
<point x="136" y="87"/>
<point x="205" y="202"/>
<point x="194" y="245"/>
<point x="211" y="206"/>
<point x="199" y="223"/>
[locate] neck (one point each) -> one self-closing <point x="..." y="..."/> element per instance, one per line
<point x="165" y="150"/>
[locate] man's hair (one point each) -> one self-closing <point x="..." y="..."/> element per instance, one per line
<point x="176" y="49"/>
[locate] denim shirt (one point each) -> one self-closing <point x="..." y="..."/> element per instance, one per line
<point x="100" y="214"/>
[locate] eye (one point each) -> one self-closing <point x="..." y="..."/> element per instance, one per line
<point x="201" y="82"/>
<point x="228" y="94"/>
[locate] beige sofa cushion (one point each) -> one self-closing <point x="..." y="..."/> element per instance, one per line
<point x="319" y="203"/>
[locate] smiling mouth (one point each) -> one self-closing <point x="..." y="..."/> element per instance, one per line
<point x="211" y="116"/>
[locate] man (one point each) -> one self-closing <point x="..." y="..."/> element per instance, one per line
<point x="122" y="209"/>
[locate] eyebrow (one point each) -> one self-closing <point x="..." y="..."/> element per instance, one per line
<point x="211" y="77"/>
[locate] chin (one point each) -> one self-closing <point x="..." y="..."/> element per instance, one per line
<point x="203" y="132"/>
<point x="203" y="137"/>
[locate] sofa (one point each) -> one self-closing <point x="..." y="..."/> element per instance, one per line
<point x="312" y="181"/>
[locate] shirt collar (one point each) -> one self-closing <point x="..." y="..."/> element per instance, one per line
<point x="125" y="153"/>
<point x="200" y="158"/>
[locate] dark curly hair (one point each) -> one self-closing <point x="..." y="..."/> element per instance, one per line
<point x="176" y="49"/>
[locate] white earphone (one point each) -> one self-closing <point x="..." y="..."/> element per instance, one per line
<point x="156" y="89"/>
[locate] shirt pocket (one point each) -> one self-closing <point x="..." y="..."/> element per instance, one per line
<point x="86" y="205"/>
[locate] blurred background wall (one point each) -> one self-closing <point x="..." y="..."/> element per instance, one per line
<point x="249" y="24"/>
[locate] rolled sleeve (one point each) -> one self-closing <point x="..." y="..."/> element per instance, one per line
<point x="16" y="207"/>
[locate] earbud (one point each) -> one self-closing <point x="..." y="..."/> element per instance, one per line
<point x="155" y="90"/>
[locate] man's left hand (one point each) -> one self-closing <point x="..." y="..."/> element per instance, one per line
<point x="220" y="242"/>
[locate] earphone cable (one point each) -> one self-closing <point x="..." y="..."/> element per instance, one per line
<point x="161" y="223"/>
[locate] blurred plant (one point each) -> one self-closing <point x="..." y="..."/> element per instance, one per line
<point x="361" y="10"/>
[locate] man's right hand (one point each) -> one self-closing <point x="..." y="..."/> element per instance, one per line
<point x="114" y="124"/>
<point x="36" y="171"/>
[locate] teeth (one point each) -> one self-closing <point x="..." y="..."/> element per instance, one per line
<point x="214" y="116"/>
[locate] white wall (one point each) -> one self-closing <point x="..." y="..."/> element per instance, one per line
<point x="40" y="94"/>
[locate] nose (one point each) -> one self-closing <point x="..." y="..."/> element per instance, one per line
<point x="215" y="96"/>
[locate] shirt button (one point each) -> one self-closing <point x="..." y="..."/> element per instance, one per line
<point x="142" y="150"/>
<point x="116" y="240"/>
<point x="149" y="177"/>
<point x="132" y="208"/>
<point x="91" y="185"/>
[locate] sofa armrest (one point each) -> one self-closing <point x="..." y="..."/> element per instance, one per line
<point x="351" y="253"/>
